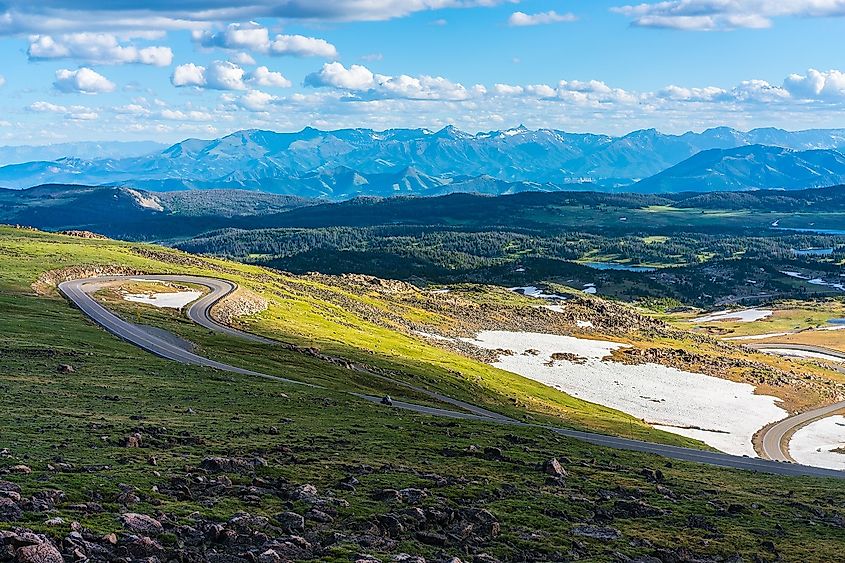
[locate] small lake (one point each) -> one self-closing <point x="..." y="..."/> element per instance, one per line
<point x="616" y="266"/>
<point x="836" y="321"/>
<point x="813" y="251"/>
<point x="814" y="231"/>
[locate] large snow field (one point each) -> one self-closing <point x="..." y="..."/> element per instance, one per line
<point x="744" y="316"/>
<point x="812" y="444"/>
<point x="720" y="413"/>
<point x="172" y="300"/>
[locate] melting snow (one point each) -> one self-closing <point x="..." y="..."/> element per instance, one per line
<point x="802" y="354"/>
<point x="746" y="316"/>
<point x="174" y="300"/>
<point x="812" y="444"/>
<point x="759" y="336"/>
<point x="532" y="291"/>
<point x="721" y="413"/>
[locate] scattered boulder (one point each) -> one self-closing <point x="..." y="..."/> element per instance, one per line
<point x="412" y="495"/>
<point x="39" y="553"/>
<point x="9" y="510"/>
<point x="65" y="369"/>
<point x="133" y="440"/>
<point x="141" y="524"/>
<point x="554" y="468"/>
<point x="596" y="532"/>
<point x="291" y="522"/>
<point x="227" y="465"/>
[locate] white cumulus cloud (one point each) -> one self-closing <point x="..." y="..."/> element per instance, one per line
<point x="78" y="113"/>
<point x="188" y="75"/>
<point x="817" y="84"/>
<point x="83" y="80"/>
<point x="99" y="48"/>
<point x="256" y="100"/>
<point x="262" y="76"/>
<point x="521" y="19"/>
<point x="255" y="37"/>
<point x="360" y="79"/>
<point x="356" y="77"/>
<point x="224" y="75"/>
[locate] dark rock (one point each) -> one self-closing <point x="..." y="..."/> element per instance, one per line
<point x="133" y="440"/>
<point x="65" y="368"/>
<point x="431" y="538"/>
<point x="635" y="509"/>
<point x="291" y="522"/>
<point x="596" y="532"/>
<point x="484" y="521"/>
<point x="391" y="525"/>
<point x="318" y="516"/>
<point x="305" y="492"/>
<point x="554" y="468"/>
<point x="387" y="495"/>
<point x="227" y="465"/>
<point x="9" y="510"/>
<point x="413" y="496"/>
<point x="493" y="453"/>
<point x="143" y="547"/>
<point x="700" y="522"/>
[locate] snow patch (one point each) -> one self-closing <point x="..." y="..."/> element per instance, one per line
<point x="721" y="413"/>
<point x="759" y="336"/>
<point x="745" y="316"/>
<point x="790" y="353"/>
<point x="146" y="201"/>
<point x="531" y="291"/>
<point x="812" y="444"/>
<point x="174" y="300"/>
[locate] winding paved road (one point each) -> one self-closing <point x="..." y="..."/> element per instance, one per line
<point x="774" y="439"/>
<point x="78" y="291"/>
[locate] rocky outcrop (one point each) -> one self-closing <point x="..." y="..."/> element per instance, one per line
<point x="241" y="303"/>
<point x="83" y="234"/>
<point x="48" y="281"/>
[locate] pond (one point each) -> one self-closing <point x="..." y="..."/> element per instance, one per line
<point x="813" y="251"/>
<point x="815" y="231"/>
<point x="617" y="266"/>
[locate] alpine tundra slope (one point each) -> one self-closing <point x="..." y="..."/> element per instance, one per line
<point x="79" y="292"/>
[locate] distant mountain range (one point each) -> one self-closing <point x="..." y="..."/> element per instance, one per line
<point x="84" y="150"/>
<point x="343" y="164"/>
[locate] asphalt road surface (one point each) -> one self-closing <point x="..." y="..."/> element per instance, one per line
<point x="775" y="438"/>
<point x="78" y="291"/>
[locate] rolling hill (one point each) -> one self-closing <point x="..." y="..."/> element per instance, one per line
<point x="749" y="168"/>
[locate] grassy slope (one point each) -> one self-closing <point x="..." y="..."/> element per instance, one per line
<point x="81" y="418"/>
<point x="299" y="315"/>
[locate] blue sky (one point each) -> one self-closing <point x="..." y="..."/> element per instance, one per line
<point x="157" y="70"/>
